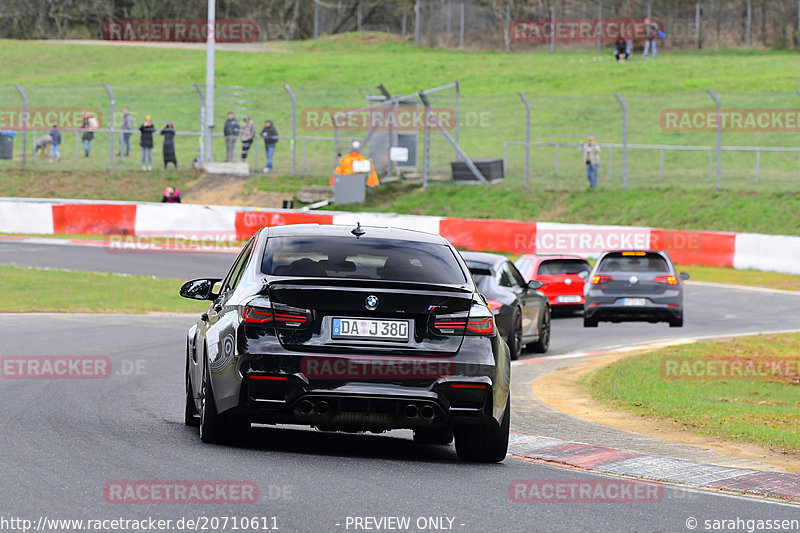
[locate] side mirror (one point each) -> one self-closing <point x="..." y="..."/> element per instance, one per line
<point x="535" y="284"/>
<point x="684" y="276"/>
<point x="583" y="274"/>
<point x="200" y="289"/>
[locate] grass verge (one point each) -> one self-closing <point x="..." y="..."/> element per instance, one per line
<point x="31" y="290"/>
<point x="756" y="408"/>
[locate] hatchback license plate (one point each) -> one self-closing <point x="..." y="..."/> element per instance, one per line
<point x="568" y="299"/>
<point x="364" y="328"/>
<point x="634" y="301"/>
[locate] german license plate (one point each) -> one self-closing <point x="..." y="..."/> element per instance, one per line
<point x="365" y="328"/>
<point x="568" y="299"/>
<point x="634" y="301"/>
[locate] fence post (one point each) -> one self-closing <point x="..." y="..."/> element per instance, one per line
<point x="624" y="140"/>
<point x="649" y="9"/>
<point x="294" y="126"/>
<point x="110" y="127"/>
<point x="358" y="16"/>
<point x="719" y="136"/>
<point x="24" y="96"/>
<point x="458" y="115"/>
<point x="758" y="164"/>
<point x="316" y="20"/>
<point x="506" y="36"/>
<point x="610" y="163"/>
<point x="662" y="164"/>
<point x="426" y="149"/>
<point x="749" y="23"/>
<point x="448" y="20"/>
<point x="203" y="123"/>
<point x="697" y="25"/>
<point x="552" y="25"/>
<point x="461" y="28"/>
<point x="557" y="147"/>
<point x="527" y="138"/>
<point x="416" y="22"/>
<point x="599" y="23"/>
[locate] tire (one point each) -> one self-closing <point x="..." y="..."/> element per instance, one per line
<point x="216" y="428"/>
<point x="190" y="415"/>
<point x="589" y="322"/>
<point x="543" y="344"/>
<point x="433" y="436"/>
<point x="515" y="336"/>
<point x="676" y="322"/>
<point x="483" y="444"/>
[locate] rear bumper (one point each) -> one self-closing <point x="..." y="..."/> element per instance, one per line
<point x="647" y="313"/>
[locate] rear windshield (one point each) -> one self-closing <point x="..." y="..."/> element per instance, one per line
<point x="563" y="266"/>
<point x="617" y="262"/>
<point x="364" y="258"/>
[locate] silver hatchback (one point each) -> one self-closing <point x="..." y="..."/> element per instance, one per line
<point x="634" y="286"/>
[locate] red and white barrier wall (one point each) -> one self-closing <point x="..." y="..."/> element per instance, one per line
<point x="739" y="250"/>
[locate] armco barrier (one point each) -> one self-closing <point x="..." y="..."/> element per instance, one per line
<point x="743" y="251"/>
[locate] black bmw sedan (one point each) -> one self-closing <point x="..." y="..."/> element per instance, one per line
<point x="522" y="313"/>
<point x="352" y="329"/>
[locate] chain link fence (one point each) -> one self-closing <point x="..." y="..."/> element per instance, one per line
<point x="652" y="154"/>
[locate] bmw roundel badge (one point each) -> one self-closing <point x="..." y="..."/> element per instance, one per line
<point x="372" y="302"/>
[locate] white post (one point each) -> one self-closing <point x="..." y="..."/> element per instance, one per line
<point x="210" y="40"/>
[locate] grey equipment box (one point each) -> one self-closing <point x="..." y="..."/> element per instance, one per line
<point x="349" y="188"/>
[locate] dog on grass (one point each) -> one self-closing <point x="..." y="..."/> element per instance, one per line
<point x="42" y="146"/>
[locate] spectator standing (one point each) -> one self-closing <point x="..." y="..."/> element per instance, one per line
<point x="88" y="134"/>
<point x="55" y="141"/>
<point x="270" y="136"/>
<point x="146" y="142"/>
<point x="171" y="196"/>
<point x="651" y="36"/>
<point x="127" y="131"/>
<point x="231" y="131"/>
<point x="591" y="154"/>
<point x="169" y="145"/>
<point x="248" y="134"/>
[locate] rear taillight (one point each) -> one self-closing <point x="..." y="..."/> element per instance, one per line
<point x="256" y="315"/>
<point x="280" y="316"/>
<point x="597" y="280"/>
<point x="669" y="280"/>
<point x="480" y="322"/>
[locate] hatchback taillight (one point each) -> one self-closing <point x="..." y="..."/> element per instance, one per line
<point x="669" y="280"/>
<point x="597" y="280"/>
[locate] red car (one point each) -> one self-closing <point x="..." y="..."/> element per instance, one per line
<point x="562" y="278"/>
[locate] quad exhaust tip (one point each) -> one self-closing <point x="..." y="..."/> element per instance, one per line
<point x="427" y="412"/>
<point x="410" y="410"/>
<point x="305" y="407"/>
<point x="321" y="407"/>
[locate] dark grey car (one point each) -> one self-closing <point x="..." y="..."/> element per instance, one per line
<point x="521" y="312"/>
<point x="634" y="286"/>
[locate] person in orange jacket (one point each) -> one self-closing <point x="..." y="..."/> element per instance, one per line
<point x="346" y="166"/>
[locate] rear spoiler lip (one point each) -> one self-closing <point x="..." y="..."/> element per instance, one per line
<point x="271" y="282"/>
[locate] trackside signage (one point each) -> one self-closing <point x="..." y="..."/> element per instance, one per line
<point x="181" y="31"/>
<point x="563" y="30"/>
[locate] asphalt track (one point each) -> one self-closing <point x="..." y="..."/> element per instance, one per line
<point x="63" y="440"/>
